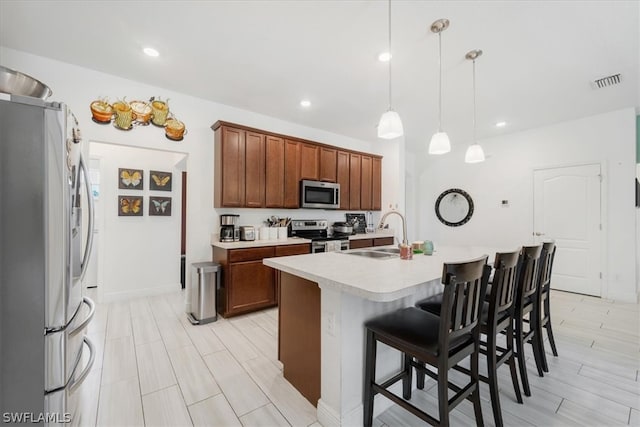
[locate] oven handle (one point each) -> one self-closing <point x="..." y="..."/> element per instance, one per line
<point x="92" y="311"/>
<point x="92" y="211"/>
<point x="76" y="382"/>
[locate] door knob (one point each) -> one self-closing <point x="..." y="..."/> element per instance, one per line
<point x="537" y="233"/>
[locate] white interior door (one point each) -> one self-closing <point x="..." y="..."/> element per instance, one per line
<point x="567" y="210"/>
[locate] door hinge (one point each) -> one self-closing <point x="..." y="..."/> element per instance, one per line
<point x="600" y="227"/>
<point x="601" y="275"/>
<point x="600" y="177"/>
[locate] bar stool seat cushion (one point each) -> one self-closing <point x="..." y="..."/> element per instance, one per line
<point x="416" y="328"/>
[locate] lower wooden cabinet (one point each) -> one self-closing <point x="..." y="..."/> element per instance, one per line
<point x="367" y="243"/>
<point x="247" y="284"/>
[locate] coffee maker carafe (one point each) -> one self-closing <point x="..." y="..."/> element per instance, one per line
<point x="228" y="230"/>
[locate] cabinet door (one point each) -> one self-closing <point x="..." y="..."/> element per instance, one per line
<point x="253" y="286"/>
<point x="274" y="172"/>
<point x="383" y="241"/>
<point x="309" y="161"/>
<point x="291" y="174"/>
<point x="342" y="175"/>
<point x="365" y="183"/>
<point x="360" y="243"/>
<point x="327" y="164"/>
<point x="254" y="170"/>
<point x="376" y="184"/>
<point x="232" y="164"/>
<point x="355" y="161"/>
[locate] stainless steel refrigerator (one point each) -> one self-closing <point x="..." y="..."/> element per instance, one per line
<point x="44" y="353"/>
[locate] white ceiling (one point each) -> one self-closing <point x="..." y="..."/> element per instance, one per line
<point x="539" y="60"/>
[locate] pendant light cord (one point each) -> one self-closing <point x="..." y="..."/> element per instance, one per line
<point x="474" y="101"/>
<point x="440" y="82"/>
<point x="389" y="48"/>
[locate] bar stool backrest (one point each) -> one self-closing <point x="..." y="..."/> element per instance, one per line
<point x="504" y="283"/>
<point x="465" y="284"/>
<point x="528" y="272"/>
<point x="546" y="264"/>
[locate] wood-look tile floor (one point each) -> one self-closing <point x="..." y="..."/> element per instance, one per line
<point x="154" y="368"/>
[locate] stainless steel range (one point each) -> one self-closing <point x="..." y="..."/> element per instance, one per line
<point x="318" y="231"/>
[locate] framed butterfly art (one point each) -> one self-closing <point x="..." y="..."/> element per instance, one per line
<point x="130" y="206"/>
<point x="159" y="206"/>
<point x="160" y="181"/>
<point x="130" y="179"/>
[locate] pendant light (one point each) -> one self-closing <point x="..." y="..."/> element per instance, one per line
<point x="390" y="125"/>
<point x="440" y="140"/>
<point x="475" y="153"/>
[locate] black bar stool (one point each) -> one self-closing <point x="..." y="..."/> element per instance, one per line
<point x="497" y="318"/>
<point x="439" y="341"/>
<point x="546" y="265"/>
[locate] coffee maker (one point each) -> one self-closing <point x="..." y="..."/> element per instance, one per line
<point x="228" y="230"/>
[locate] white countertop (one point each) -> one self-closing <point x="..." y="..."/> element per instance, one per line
<point x="255" y="243"/>
<point x="381" y="280"/>
<point x="290" y="241"/>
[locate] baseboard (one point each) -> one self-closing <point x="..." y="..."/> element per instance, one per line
<point x="627" y="297"/>
<point x="326" y="415"/>
<point x="139" y="293"/>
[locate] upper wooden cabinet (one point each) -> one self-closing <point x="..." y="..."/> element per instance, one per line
<point x="274" y="172"/>
<point x="291" y="174"/>
<point x="254" y="174"/>
<point x="342" y="175"/>
<point x="328" y="161"/>
<point x="365" y="183"/>
<point x="355" y="168"/>
<point x="256" y="169"/>
<point x="309" y="161"/>
<point x="229" y="167"/>
<point x="376" y="184"/>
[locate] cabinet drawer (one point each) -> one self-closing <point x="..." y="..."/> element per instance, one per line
<point x="360" y="243"/>
<point x="383" y="241"/>
<point x="299" y="249"/>
<point x="250" y="254"/>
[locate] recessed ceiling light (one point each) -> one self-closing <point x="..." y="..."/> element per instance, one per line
<point x="151" y="51"/>
<point x="305" y="103"/>
<point x="384" y="57"/>
<point x="501" y="124"/>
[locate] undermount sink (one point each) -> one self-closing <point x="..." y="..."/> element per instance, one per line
<point x="373" y="254"/>
<point x="388" y="250"/>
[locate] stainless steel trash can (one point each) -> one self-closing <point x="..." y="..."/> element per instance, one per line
<point x="205" y="281"/>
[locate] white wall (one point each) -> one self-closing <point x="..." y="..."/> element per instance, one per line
<point x="608" y="139"/>
<point x="78" y="86"/>
<point x="138" y="255"/>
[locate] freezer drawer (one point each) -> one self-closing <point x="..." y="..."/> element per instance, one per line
<point x="64" y="406"/>
<point x="63" y="348"/>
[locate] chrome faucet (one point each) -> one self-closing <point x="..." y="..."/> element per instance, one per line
<point x="404" y="225"/>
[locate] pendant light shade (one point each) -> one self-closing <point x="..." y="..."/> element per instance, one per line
<point x="439" y="143"/>
<point x="475" y="153"/>
<point x="440" y="140"/>
<point x="390" y="125"/>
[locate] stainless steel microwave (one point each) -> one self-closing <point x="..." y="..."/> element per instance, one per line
<point x="319" y="195"/>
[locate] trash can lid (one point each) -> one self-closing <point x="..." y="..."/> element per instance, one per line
<point x="206" y="267"/>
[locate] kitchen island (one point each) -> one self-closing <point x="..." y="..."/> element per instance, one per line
<point x="326" y="298"/>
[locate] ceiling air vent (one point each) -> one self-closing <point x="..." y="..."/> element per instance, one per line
<point x="607" y="81"/>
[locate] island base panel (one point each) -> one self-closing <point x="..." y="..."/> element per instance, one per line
<point x="299" y="334"/>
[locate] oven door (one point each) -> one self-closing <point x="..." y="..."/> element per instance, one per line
<point x="329" y="246"/>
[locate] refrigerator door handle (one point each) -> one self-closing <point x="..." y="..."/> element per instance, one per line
<point x="89" y="242"/>
<point x="76" y="382"/>
<point x="92" y="311"/>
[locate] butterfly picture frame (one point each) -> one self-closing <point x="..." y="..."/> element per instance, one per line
<point x="159" y="206"/>
<point x="130" y="206"/>
<point x="130" y="179"/>
<point x="160" y="181"/>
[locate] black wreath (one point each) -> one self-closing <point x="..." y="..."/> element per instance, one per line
<point x="463" y="220"/>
